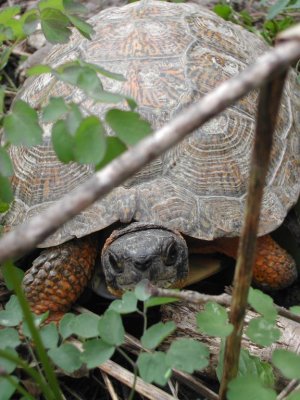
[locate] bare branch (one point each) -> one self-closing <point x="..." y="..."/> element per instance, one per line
<point x="268" y="107"/>
<point x="28" y="235"/>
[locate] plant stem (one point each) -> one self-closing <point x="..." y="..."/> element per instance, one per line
<point x="133" y="364"/>
<point x="19" y="388"/>
<point x="30" y="371"/>
<point x="9" y="80"/>
<point x="41" y="352"/>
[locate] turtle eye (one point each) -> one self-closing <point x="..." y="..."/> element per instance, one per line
<point x="113" y="261"/>
<point x="171" y="254"/>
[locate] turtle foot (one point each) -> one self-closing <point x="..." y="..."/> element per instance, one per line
<point x="59" y="275"/>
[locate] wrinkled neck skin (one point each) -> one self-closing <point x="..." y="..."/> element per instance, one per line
<point x="144" y="251"/>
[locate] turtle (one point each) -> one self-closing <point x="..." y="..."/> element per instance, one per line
<point x="189" y="200"/>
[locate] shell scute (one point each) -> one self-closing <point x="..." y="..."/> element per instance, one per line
<point x="171" y="55"/>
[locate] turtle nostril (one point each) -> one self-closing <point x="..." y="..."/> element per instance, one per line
<point x="143" y="265"/>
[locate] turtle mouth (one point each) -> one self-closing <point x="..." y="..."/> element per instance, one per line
<point x="144" y="251"/>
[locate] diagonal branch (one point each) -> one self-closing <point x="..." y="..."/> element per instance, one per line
<point x="28" y="235"/>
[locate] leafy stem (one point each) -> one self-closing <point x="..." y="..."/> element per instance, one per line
<point x="43" y="357"/>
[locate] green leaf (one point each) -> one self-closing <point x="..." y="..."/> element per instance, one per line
<point x="66" y="357"/>
<point x="6" y="168"/>
<point x="294" y="396"/>
<point x="104" y="72"/>
<point x="114" y="148"/>
<point x="295" y="310"/>
<point x="288" y="363"/>
<point x="111" y="328"/>
<point x="131" y="103"/>
<point x="21" y="127"/>
<point x="57" y="4"/>
<point x="263" y="304"/>
<point x="154" y="335"/>
<point x="39" y="70"/>
<point x="55" y="109"/>
<point x="49" y="335"/>
<point x="63" y="143"/>
<point x="38" y="321"/>
<point x="30" y="22"/>
<point x="2" y="96"/>
<point x="66" y="325"/>
<point x="128" y="125"/>
<point x="7" y="268"/>
<point x="7" y="389"/>
<point x="6" y="33"/>
<point x="74" y="118"/>
<point x="223" y="10"/>
<point x="107" y="97"/>
<point x="250" y="387"/>
<point x="8" y="13"/>
<point x="254" y="366"/>
<point x="3" y="208"/>
<point x="214" y="320"/>
<point x="4" y="56"/>
<point x="83" y="27"/>
<point x="277" y="8"/>
<point x="55" y="25"/>
<point x="74" y="7"/>
<point x="9" y="337"/>
<point x="90" y="145"/>
<point x="248" y="365"/>
<point x="187" y="355"/>
<point x="154" y="368"/>
<point x="86" y="325"/>
<point x="82" y="77"/>
<point x="7" y="365"/>
<point x="159" y="301"/>
<point x="96" y="352"/>
<point x="6" y="193"/>
<point x="126" y="305"/>
<point x="141" y="290"/>
<point x="262" y="331"/>
<point x="12" y="315"/>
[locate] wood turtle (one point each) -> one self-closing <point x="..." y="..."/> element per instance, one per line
<point x="192" y="198"/>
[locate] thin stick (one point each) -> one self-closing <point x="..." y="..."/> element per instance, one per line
<point x="109" y="386"/>
<point x="28" y="235"/>
<point x="134" y="344"/>
<point x="269" y="103"/>
<point x="142" y="387"/>
<point x="293" y="384"/>
<point x="123" y="375"/>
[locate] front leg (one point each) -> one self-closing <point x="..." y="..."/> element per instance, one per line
<point x="59" y="275"/>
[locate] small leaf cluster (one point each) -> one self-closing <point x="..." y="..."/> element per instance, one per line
<point x="75" y="137"/>
<point x="101" y="337"/>
<point x="56" y="17"/>
<point x="280" y="16"/>
<point x="255" y="377"/>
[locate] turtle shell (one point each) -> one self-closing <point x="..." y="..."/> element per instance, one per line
<point x="171" y="56"/>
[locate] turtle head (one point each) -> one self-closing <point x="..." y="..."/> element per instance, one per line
<point x="144" y="251"/>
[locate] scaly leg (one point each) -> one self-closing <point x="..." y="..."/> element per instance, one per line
<point x="274" y="268"/>
<point x="59" y="275"/>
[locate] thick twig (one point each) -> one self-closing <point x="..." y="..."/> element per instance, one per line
<point x="33" y="232"/>
<point x="269" y="104"/>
